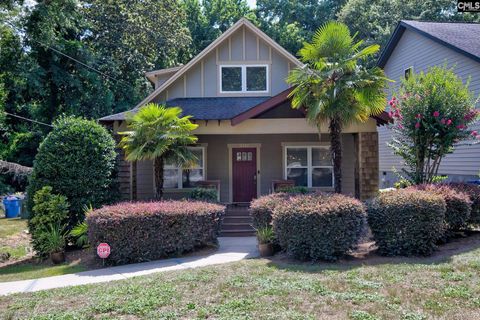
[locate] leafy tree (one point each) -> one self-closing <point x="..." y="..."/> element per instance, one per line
<point x="222" y="14"/>
<point x="158" y="133"/>
<point x="77" y="159"/>
<point x="132" y="37"/>
<point x="335" y="87"/>
<point x="433" y="112"/>
<point x="375" y="20"/>
<point x="290" y="23"/>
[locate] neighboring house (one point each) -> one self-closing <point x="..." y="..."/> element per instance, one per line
<point x="248" y="134"/>
<point x="415" y="46"/>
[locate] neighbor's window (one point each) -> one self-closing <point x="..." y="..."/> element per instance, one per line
<point x="309" y="166"/>
<point x="408" y="72"/>
<point x="244" y="78"/>
<point x="176" y="177"/>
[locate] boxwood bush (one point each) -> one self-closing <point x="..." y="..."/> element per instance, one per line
<point x="319" y="226"/>
<point x="473" y="192"/>
<point x="407" y="222"/>
<point x="145" y="231"/>
<point x="261" y="209"/>
<point x="458" y="205"/>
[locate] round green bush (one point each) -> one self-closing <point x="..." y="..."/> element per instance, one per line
<point x="77" y="159"/>
<point x="473" y="192"/>
<point x="458" y="205"/>
<point x="261" y="209"/>
<point x="407" y="222"/>
<point x="319" y="226"/>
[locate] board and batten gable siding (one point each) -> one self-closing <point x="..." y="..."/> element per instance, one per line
<point x="243" y="47"/>
<point x="420" y="52"/>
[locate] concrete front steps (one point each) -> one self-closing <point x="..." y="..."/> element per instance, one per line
<point x="237" y="222"/>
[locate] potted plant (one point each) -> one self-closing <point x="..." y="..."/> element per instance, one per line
<point x="54" y="243"/>
<point x="265" y="238"/>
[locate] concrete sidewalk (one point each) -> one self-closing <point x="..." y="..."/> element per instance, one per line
<point x="230" y="249"/>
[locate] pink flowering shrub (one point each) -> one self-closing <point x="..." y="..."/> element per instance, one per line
<point x="473" y="192"/>
<point x="144" y="231"/>
<point x="433" y="112"/>
<point x="407" y="222"/>
<point x="319" y="226"/>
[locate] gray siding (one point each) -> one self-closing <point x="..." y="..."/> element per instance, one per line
<point x="242" y="47"/>
<point x="271" y="162"/>
<point x="420" y="52"/>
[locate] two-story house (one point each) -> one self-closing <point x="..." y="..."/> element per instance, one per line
<point x="248" y="134"/>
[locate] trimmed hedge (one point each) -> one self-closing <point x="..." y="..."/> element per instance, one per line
<point x="145" y="231"/>
<point x="319" y="226"/>
<point x="407" y="222"/>
<point x="473" y="192"/>
<point x="261" y="209"/>
<point x="458" y="205"/>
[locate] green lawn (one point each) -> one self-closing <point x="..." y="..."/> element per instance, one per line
<point x="9" y="227"/>
<point x="13" y="239"/>
<point x="420" y="288"/>
<point x="34" y="271"/>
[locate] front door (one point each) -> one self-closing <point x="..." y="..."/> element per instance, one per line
<point x="244" y="174"/>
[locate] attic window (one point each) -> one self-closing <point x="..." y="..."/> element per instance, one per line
<point x="408" y="72"/>
<point x="241" y="78"/>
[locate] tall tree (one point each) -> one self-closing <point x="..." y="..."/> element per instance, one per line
<point x="133" y="37"/>
<point x="335" y="87"/>
<point x="158" y="133"/>
<point x="375" y="20"/>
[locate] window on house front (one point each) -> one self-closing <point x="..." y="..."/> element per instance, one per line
<point x="309" y="166"/>
<point x="178" y="178"/>
<point x="408" y="72"/>
<point x="252" y="78"/>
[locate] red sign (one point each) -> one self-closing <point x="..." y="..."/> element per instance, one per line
<point x="103" y="250"/>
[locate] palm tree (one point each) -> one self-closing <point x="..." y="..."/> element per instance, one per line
<point x="158" y="133"/>
<point x="335" y="87"/>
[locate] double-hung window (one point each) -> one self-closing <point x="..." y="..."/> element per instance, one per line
<point x="177" y="178"/>
<point x="243" y="78"/>
<point x="309" y="166"/>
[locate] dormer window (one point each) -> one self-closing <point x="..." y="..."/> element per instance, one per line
<point x="243" y="78"/>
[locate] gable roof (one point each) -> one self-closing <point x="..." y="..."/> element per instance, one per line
<point x="457" y="36"/>
<point x="240" y="23"/>
<point x="152" y="74"/>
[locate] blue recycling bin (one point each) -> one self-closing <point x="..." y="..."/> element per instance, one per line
<point x="13" y="206"/>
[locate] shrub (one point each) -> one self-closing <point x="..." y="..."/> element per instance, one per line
<point x="48" y="210"/>
<point x="407" y="222"/>
<point x="203" y="194"/>
<point x="294" y="190"/>
<point x="261" y="209"/>
<point x="265" y="235"/>
<point x="458" y="205"/>
<point x="473" y="192"/>
<point x="319" y="226"/>
<point x="77" y="160"/>
<point x="145" y="231"/>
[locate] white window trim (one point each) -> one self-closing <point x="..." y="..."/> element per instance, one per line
<point x="309" y="165"/>
<point x="244" y="77"/>
<point x="180" y="170"/>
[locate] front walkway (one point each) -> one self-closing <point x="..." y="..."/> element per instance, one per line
<point x="231" y="249"/>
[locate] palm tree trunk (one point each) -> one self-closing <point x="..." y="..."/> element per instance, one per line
<point x="158" y="165"/>
<point x="336" y="151"/>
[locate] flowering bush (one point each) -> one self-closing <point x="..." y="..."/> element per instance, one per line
<point x="458" y="205"/>
<point x="432" y="113"/>
<point x="407" y="222"/>
<point x="146" y="231"/>
<point x="319" y="226"/>
<point x="473" y="192"/>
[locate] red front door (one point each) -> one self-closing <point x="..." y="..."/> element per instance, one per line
<point x="244" y="174"/>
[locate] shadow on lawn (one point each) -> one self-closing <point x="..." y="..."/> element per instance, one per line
<point x="366" y="255"/>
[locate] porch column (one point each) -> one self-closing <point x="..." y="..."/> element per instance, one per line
<point x="126" y="175"/>
<point x="366" y="175"/>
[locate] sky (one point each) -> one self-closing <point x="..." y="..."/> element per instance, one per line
<point x="252" y="3"/>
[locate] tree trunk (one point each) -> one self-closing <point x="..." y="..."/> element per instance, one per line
<point x="336" y="151"/>
<point x="158" y="165"/>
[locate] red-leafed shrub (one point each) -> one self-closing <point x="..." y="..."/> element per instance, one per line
<point x="319" y="226"/>
<point x="407" y="221"/>
<point x="145" y="231"/>
<point x="458" y="204"/>
<point x="473" y="192"/>
<point x="261" y="209"/>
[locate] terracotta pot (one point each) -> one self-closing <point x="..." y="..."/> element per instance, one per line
<point x="266" y="249"/>
<point x="57" y="257"/>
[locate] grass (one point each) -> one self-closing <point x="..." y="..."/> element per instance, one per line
<point x="9" y="227"/>
<point x="33" y="271"/>
<point x="262" y="289"/>
<point x="12" y="238"/>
